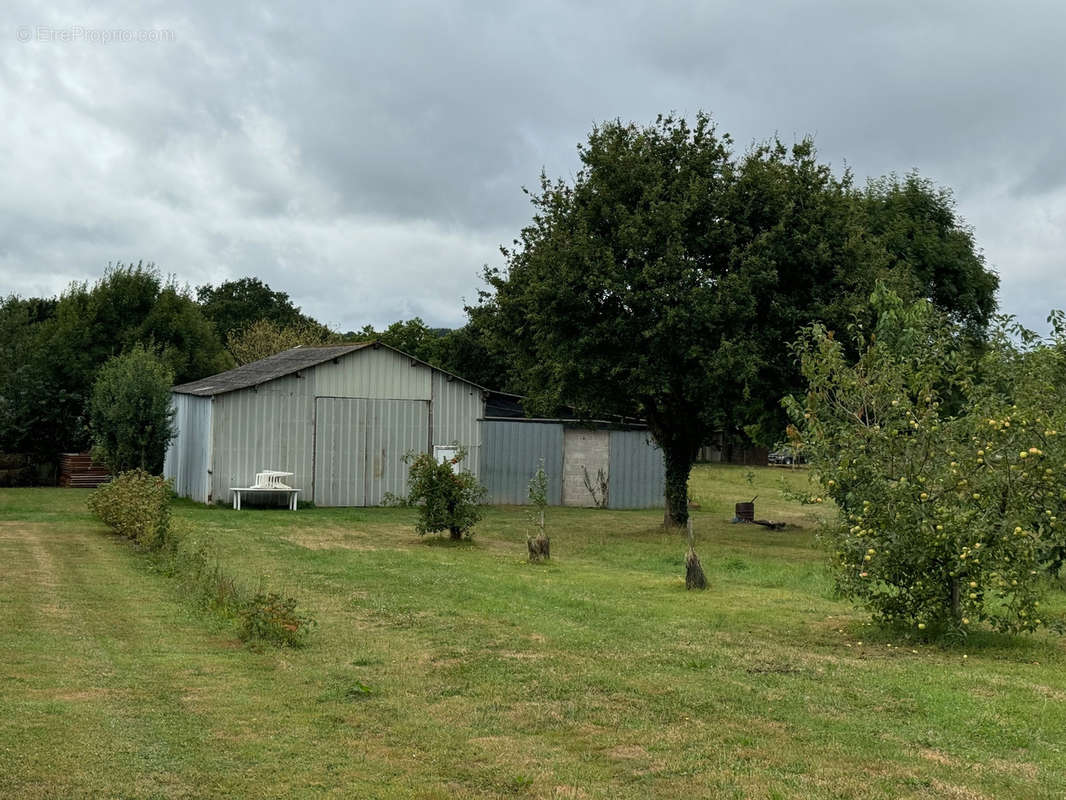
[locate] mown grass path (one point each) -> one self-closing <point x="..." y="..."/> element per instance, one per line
<point x="446" y="671"/>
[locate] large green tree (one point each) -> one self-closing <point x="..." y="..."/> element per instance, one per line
<point x="265" y="338"/>
<point x="34" y="405"/>
<point x="667" y="279"/>
<point x="471" y="352"/>
<point x="947" y="516"/>
<point x="235" y="305"/>
<point x="622" y="296"/>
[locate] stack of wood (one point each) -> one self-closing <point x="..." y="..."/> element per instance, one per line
<point x="78" y="470"/>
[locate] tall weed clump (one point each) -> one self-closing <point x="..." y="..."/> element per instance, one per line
<point x="262" y="617"/>
<point x="135" y="504"/>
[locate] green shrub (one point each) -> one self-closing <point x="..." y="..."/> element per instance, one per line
<point x="447" y="499"/>
<point x="136" y="505"/>
<point x="273" y="618"/>
<point x="130" y="412"/>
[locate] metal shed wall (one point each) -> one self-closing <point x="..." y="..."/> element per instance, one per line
<point x="457" y="407"/>
<point x="377" y="373"/>
<point x="188" y="457"/>
<point x="510" y="453"/>
<point x="637" y="475"/>
<point x="511" y="450"/>
<point x="271" y="427"/>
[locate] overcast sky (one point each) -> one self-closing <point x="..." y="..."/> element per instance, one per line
<point x="370" y="161"/>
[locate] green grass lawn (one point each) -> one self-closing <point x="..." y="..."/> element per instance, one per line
<point x="444" y="671"/>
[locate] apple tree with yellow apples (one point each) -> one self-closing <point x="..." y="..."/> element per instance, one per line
<point x="946" y="459"/>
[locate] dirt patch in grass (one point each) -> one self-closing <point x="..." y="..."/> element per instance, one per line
<point x="1023" y="769"/>
<point x="85" y="695"/>
<point x="566" y="793"/>
<point x="521" y="655"/>
<point x="1049" y="693"/>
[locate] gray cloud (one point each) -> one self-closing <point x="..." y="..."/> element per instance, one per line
<point x="370" y="160"/>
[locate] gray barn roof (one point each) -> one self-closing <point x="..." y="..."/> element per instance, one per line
<point x="266" y="369"/>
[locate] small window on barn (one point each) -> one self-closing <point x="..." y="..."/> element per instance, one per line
<point x="445" y="452"/>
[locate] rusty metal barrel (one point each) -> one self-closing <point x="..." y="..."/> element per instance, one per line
<point x="746" y="512"/>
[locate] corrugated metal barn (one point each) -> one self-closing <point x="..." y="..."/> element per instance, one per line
<point x="341" y="419"/>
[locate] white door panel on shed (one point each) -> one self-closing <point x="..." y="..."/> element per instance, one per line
<point x="359" y="448"/>
<point x="583" y="450"/>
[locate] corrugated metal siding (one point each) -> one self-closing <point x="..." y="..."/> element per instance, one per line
<point x="360" y="445"/>
<point x="273" y="427"/>
<point x="340" y="452"/>
<point x="381" y="374"/>
<point x="510" y="453"/>
<point x="637" y="476"/>
<point x="268" y="428"/>
<point x="457" y="407"/>
<point x="394" y="427"/>
<point x="511" y="450"/>
<point x="189" y="452"/>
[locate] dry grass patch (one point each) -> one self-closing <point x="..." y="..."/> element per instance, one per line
<point x="951" y="791"/>
<point x="334" y="539"/>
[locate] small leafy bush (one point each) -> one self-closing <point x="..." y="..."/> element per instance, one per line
<point x="390" y="500"/>
<point x="273" y="618"/>
<point x="448" y="499"/>
<point x="136" y="504"/>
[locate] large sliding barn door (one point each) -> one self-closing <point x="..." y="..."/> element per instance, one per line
<point x="360" y="445"/>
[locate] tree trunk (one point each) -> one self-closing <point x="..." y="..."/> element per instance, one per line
<point x="956" y="611"/>
<point x="678" y="462"/>
<point x="694" y="575"/>
<point x="539" y="547"/>
<point x="456" y="534"/>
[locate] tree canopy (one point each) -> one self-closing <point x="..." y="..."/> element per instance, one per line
<point x="669" y="277"/>
<point x="265" y="338"/>
<point x="53" y="350"/>
<point x="947" y="511"/>
<point x="235" y="305"/>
